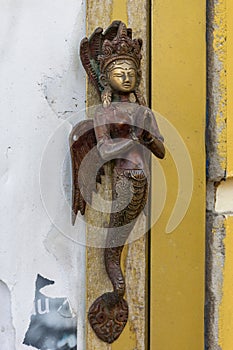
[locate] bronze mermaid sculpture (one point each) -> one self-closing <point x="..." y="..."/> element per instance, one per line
<point x="124" y="133"/>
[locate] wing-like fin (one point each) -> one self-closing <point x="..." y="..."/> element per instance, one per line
<point x="82" y="141"/>
<point x="86" y="61"/>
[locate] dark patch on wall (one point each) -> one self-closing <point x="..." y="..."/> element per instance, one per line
<point x="52" y="325"/>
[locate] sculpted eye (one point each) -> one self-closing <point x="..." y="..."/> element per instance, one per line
<point x="101" y="317"/>
<point x="121" y="316"/>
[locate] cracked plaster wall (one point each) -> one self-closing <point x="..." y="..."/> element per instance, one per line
<point x="219" y="182"/>
<point x="42" y="85"/>
<point x="216" y="155"/>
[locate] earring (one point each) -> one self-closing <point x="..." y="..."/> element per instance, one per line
<point x="106" y="96"/>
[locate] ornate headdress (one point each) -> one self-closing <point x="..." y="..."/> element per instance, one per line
<point x="102" y="49"/>
<point x="121" y="47"/>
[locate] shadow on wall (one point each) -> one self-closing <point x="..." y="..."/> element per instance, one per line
<point x="52" y="326"/>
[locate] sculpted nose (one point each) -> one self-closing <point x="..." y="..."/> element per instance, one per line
<point x="126" y="78"/>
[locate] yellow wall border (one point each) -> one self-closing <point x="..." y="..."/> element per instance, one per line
<point x="229" y="7"/>
<point x="178" y="93"/>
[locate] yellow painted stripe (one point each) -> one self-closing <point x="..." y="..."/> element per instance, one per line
<point x="229" y="88"/>
<point x="220" y="51"/>
<point x="226" y="307"/>
<point x="178" y="93"/>
<point x="119" y="11"/>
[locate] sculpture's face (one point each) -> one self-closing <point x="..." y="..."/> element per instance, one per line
<point x="122" y="76"/>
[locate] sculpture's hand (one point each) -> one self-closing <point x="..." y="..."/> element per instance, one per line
<point x="148" y="133"/>
<point x="154" y="145"/>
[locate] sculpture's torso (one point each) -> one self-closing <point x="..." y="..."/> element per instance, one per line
<point x="120" y="120"/>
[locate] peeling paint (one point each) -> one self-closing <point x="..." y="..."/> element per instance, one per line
<point x="226" y="306"/>
<point x="7" y="331"/>
<point x="52" y="325"/>
<point x="219" y="188"/>
<point x="215" y="261"/>
<point x="70" y="257"/>
<point x="224" y="197"/>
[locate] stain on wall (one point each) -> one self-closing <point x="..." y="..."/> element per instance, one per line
<point x="53" y="326"/>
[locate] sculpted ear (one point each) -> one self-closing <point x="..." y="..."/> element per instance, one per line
<point x="103" y="80"/>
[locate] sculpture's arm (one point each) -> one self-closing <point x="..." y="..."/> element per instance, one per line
<point x="155" y="146"/>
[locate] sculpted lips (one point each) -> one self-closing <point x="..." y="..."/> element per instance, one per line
<point x="127" y="85"/>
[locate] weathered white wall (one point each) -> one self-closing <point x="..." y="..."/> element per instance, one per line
<point x="41" y="85"/>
